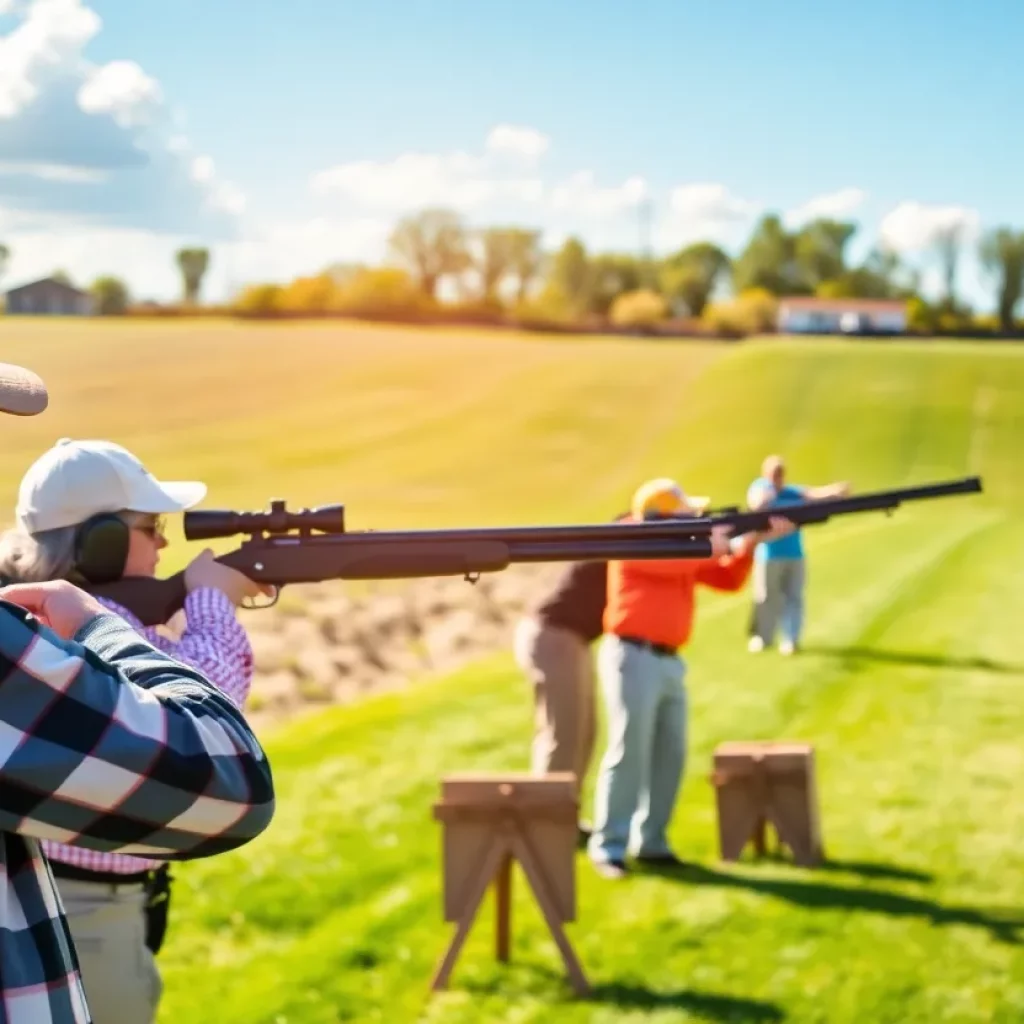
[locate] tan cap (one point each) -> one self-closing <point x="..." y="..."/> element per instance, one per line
<point x="76" y="480"/>
<point x="22" y="393"/>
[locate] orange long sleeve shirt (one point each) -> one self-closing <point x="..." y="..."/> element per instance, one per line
<point x="654" y="600"/>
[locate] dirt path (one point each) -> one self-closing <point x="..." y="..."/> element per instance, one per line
<point x="332" y="643"/>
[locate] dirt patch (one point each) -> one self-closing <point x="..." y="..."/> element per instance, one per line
<point x="330" y="643"/>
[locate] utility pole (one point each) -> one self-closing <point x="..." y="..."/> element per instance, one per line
<point x="645" y="217"/>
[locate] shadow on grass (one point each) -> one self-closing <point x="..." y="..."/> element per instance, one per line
<point x="873" y="654"/>
<point x="1003" y="924"/>
<point x="705" y="1005"/>
<point x="628" y="996"/>
<point x="866" y="869"/>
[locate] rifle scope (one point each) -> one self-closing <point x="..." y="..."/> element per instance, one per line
<point x="207" y="524"/>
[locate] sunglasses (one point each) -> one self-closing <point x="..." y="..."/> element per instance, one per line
<point x="152" y="528"/>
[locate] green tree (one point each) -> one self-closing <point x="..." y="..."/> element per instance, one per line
<point x="612" y="275"/>
<point x="63" y="276"/>
<point x="820" y="250"/>
<point x="110" y="295"/>
<point x="5" y="256"/>
<point x="769" y="261"/>
<point x="431" y="245"/>
<point x="691" y="275"/>
<point x="1002" y="256"/>
<point x="526" y="258"/>
<point x="570" y="281"/>
<point x="880" y="276"/>
<point x="495" y="259"/>
<point x="948" y="244"/>
<point x="193" y="265"/>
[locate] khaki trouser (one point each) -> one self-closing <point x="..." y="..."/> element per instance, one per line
<point x="559" y="664"/>
<point x="120" y="976"/>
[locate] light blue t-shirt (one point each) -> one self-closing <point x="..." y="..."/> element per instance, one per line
<point x="792" y="545"/>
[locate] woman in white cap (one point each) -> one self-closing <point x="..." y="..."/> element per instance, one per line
<point x="89" y="511"/>
<point x="108" y="744"/>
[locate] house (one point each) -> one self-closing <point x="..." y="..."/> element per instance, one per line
<point x="48" y="297"/>
<point x="805" y="315"/>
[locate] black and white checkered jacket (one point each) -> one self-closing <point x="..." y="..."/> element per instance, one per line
<point x="109" y="744"/>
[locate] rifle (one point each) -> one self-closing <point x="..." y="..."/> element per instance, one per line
<point x="313" y="545"/>
<point x="806" y="513"/>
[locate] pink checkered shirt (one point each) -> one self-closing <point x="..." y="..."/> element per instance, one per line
<point x="215" y="643"/>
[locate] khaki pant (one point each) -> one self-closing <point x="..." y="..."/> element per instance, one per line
<point x="559" y="664"/>
<point x="120" y="976"/>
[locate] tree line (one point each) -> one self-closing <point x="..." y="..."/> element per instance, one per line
<point x="112" y="296"/>
<point x="439" y="266"/>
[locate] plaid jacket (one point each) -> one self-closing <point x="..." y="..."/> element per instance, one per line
<point x="216" y="644"/>
<point x="109" y="744"/>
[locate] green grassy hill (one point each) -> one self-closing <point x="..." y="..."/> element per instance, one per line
<point x="910" y="686"/>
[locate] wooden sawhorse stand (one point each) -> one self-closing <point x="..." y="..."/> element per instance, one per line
<point x="491" y="820"/>
<point x="758" y="784"/>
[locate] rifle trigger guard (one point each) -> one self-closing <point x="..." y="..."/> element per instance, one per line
<point x="270" y="603"/>
<point x="471" y="577"/>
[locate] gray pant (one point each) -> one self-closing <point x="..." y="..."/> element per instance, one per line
<point x="119" y="973"/>
<point x="642" y="769"/>
<point x="779" y="598"/>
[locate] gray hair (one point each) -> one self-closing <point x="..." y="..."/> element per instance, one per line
<point x="38" y="557"/>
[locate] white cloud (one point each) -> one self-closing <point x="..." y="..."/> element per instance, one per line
<point x="415" y="180"/>
<point x="145" y="261"/>
<point x="581" y="194"/>
<point x="518" y="140"/>
<point x="91" y="144"/>
<point x="474" y="182"/>
<point x="913" y="226"/>
<point x="51" y="34"/>
<point x="123" y="90"/>
<point x="709" y="203"/>
<point x="703" y="211"/>
<point x="52" y="172"/>
<point x="832" y="206"/>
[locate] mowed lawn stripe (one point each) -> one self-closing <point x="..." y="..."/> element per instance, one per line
<point x="347" y="876"/>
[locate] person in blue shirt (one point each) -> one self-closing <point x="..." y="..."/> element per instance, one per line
<point x="780" y="573"/>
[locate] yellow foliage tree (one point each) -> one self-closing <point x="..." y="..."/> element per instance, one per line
<point x="640" y="308"/>
<point x="259" y="298"/>
<point x="753" y="311"/>
<point x="316" y="294"/>
<point x="378" y="290"/>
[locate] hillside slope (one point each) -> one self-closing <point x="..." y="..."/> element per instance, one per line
<point x="909" y="689"/>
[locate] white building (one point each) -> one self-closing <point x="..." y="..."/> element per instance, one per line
<point x="806" y="315"/>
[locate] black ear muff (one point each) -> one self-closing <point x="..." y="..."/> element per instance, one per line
<point x="101" y="548"/>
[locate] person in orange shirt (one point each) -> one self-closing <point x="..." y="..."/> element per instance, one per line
<point x="648" y="617"/>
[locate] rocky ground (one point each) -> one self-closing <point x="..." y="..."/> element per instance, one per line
<point x="331" y="643"/>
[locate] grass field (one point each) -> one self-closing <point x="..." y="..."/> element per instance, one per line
<point x="910" y="686"/>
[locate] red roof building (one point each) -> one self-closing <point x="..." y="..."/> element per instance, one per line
<point x="806" y="315"/>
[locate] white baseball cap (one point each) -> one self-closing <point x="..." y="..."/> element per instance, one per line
<point x="75" y="480"/>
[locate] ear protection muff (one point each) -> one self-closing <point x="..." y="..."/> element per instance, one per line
<point x="101" y="548"/>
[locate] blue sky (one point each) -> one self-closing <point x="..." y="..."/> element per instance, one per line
<point x="774" y="103"/>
